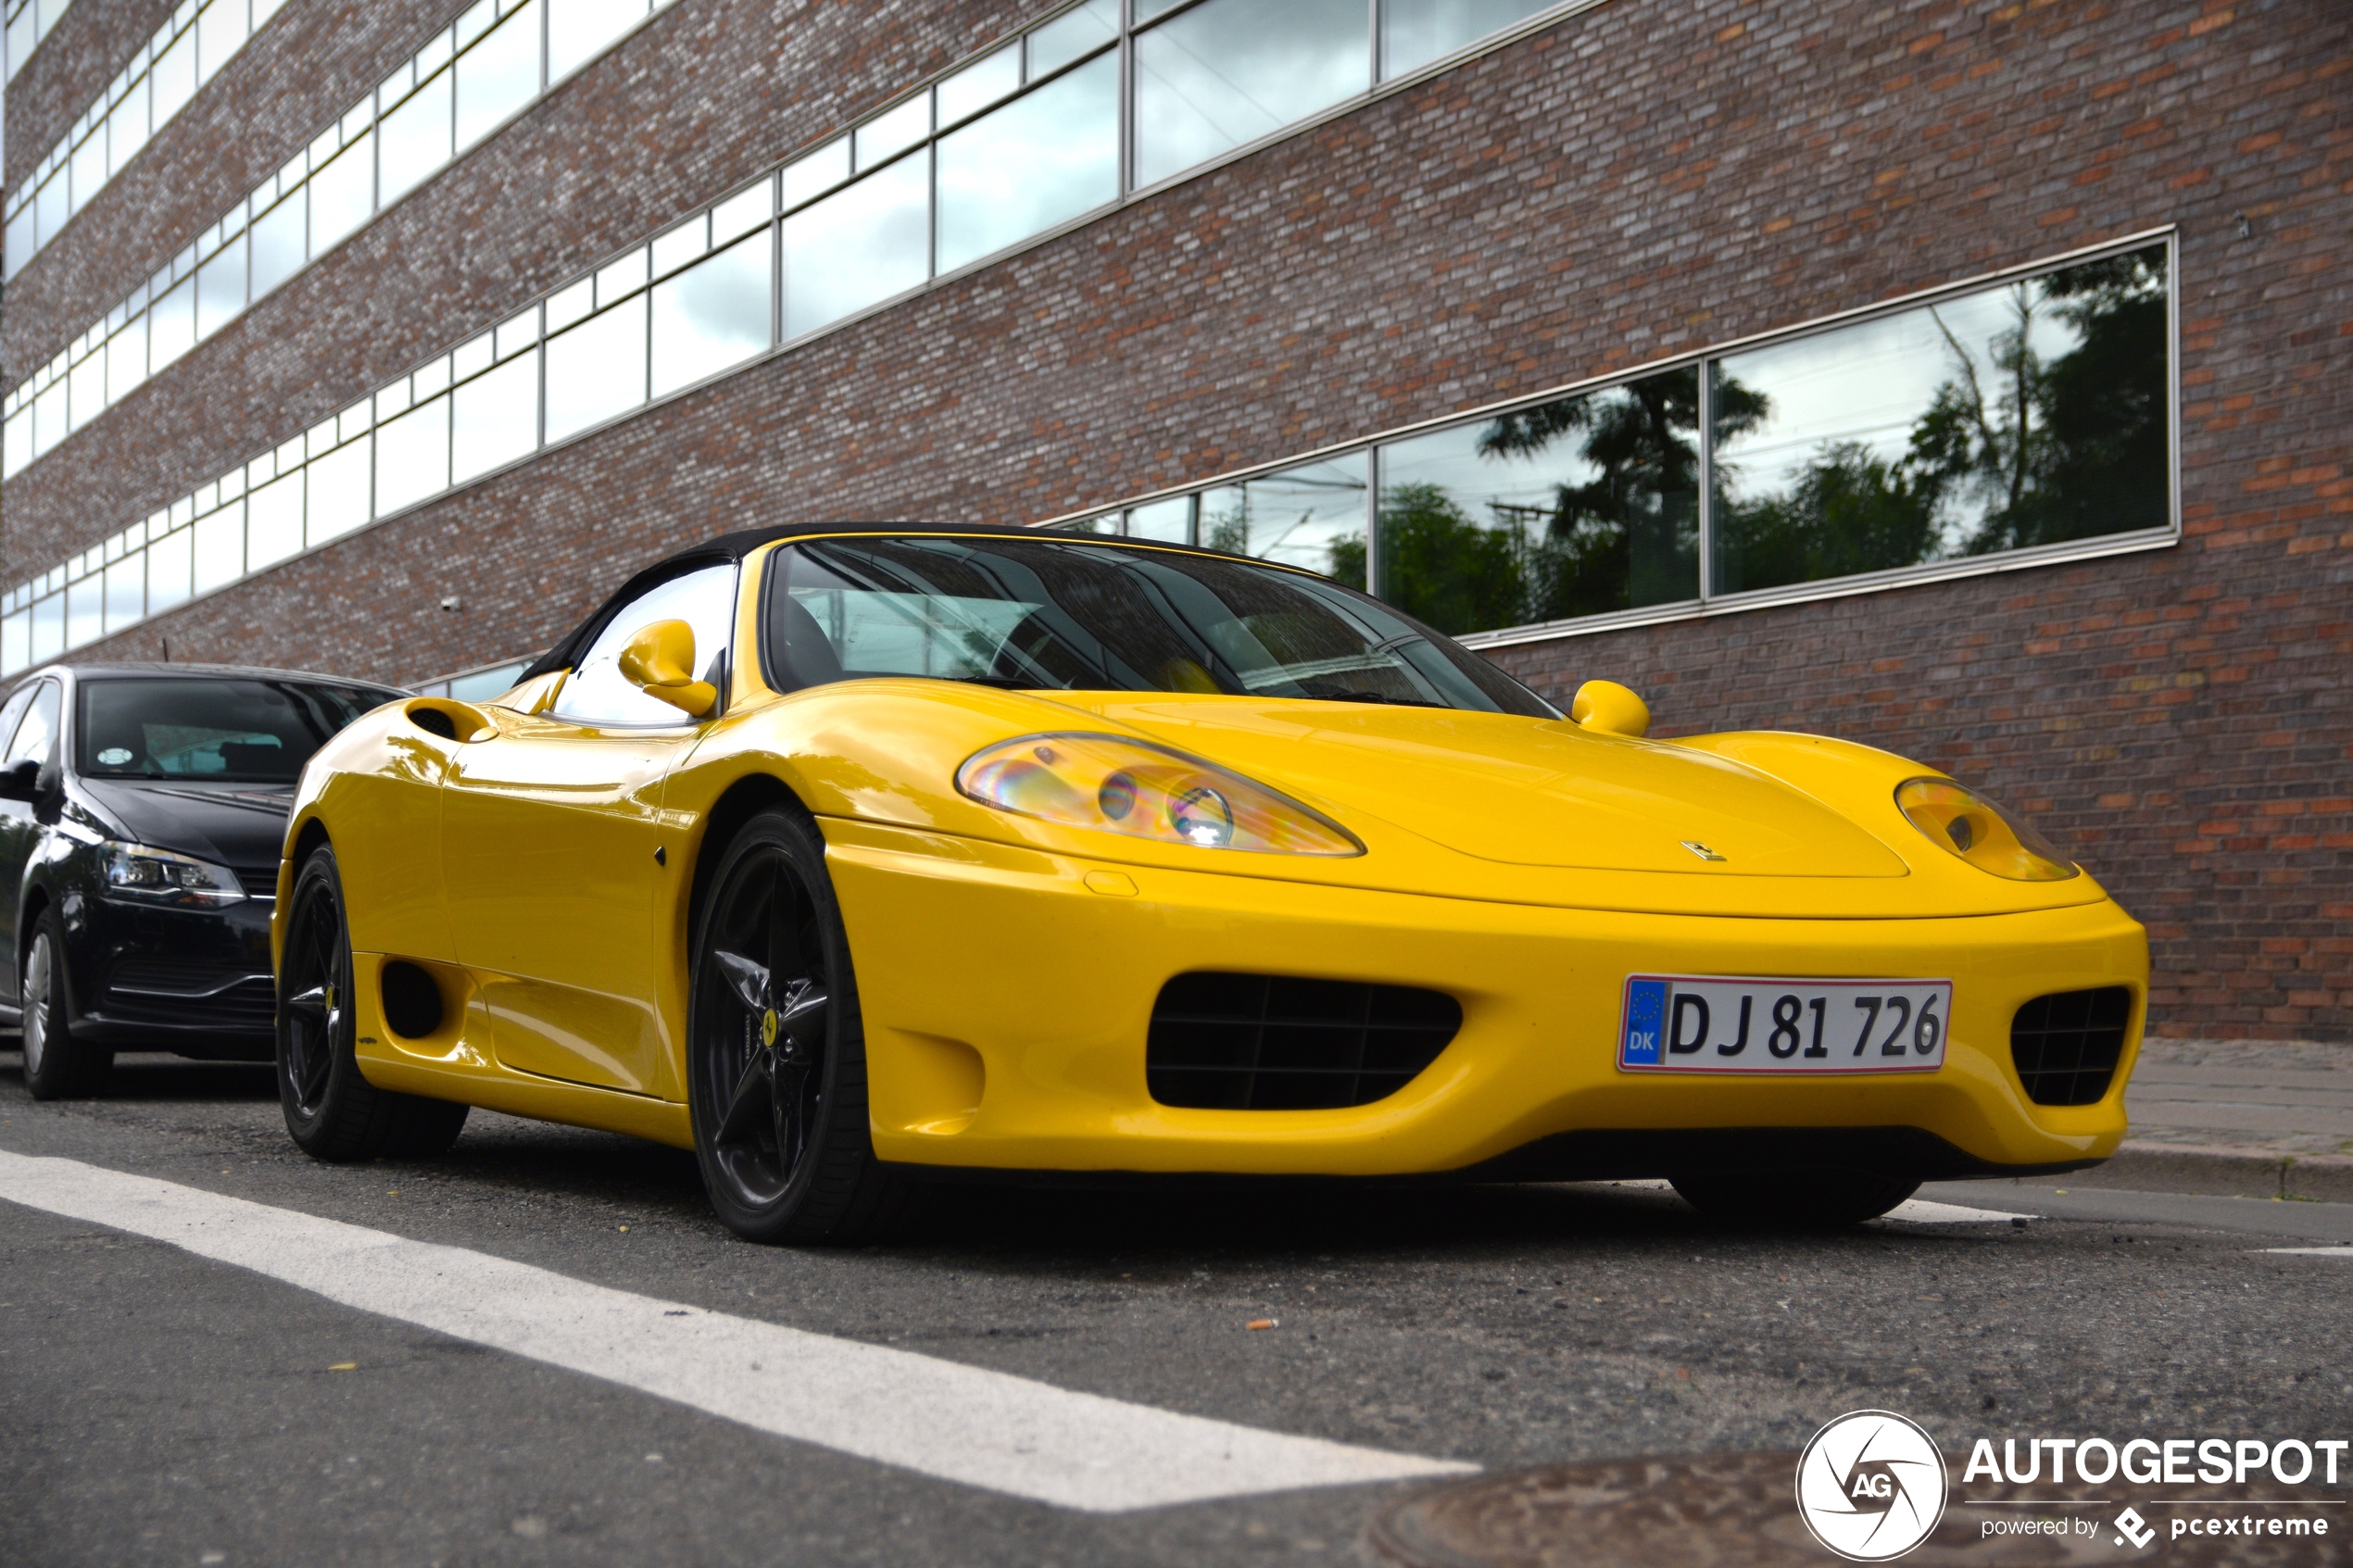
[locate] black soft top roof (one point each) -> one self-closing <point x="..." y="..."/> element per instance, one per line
<point x="735" y="547"/>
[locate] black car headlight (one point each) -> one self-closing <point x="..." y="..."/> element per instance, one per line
<point x="159" y="876"/>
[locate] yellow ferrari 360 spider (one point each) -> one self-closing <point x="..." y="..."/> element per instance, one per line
<point x="842" y="854"/>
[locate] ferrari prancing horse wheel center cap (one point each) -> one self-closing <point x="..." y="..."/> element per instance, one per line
<point x="768" y="1027"/>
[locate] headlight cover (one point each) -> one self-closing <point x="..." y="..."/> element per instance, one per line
<point x="1982" y="832"/>
<point x="159" y="876"/>
<point x="1115" y="785"/>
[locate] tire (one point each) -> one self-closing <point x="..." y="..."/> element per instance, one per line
<point x="775" y="1048"/>
<point x="1794" y="1199"/>
<point x="56" y="1066"/>
<point x="332" y="1112"/>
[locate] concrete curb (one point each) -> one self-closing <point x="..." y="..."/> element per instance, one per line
<point x="2223" y="1171"/>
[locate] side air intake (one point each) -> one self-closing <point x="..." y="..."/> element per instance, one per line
<point x="2067" y="1044"/>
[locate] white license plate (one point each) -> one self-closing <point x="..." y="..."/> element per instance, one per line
<point x="1743" y="1023"/>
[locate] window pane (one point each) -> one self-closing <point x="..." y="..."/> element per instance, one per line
<point x="16" y="643"/>
<point x="1578" y="507"/>
<point x="712" y="315"/>
<point x="220" y="537"/>
<point x="221" y="288"/>
<point x="169" y="560"/>
<point x="2030" y="414"/>
<point x="893" y="133"/>
<point x="413" y="141"/>
<point x="1030" y="165"/>
<point x="173" y="79"/>
<point x="1415" y="32"/>
<point x="278" y="243"/>
<point x="86" y="389"/>
<point x="578" y="29"/>
<point x="127" y="358"/>
<point x="343" y="193"/>
<point x="335" y="492"/>
<point x="88" y="167"/>
<point x="597" y="693"/>
<point x="979" y="84"/>
<point x="126" y="591"/>
<point x="1071" y="34"/>
<point x="21" y="238"/>
<point x="220" y="32"/>
<point x="271" y="523"/>
<point x="171" y="325"/>
<point x="49" y="418"/>
<point x="1171" y="520"/>
<point x="16" y="450"/>
<point x="857" y="246"/>
<point x="495" y="418"/>
<point x="820" y="170"/>
<point x="499" y="75"/>
<point x="1310" y="516"/>
<point x="596" y="369"/>
<point x="1230" y="70"/>
<point x="48" y="628"/>
<point x="85" y="620"/>
<point x="412" y="456"/>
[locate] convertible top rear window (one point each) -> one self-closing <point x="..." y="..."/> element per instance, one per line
<point x="1049" y="614"/>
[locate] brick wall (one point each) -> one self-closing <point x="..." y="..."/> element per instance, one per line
<point x="1642" y="181"/>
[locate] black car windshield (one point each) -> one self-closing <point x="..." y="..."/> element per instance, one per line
<point x="1055" y="613"/>
<point x="213" y="729"/>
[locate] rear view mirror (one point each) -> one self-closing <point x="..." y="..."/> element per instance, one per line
<point x="21" y="782"/>
<point x="658" y="660"/>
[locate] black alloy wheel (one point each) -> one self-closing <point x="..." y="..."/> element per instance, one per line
<point x="331" y="1111"/>
<point x="1794" y="1199"/>
<point x="776" y="1062"/>
<point x="56" y="1066"/>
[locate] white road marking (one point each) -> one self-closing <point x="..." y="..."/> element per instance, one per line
<point x="1922" y="1211"/>
<point x="2338" y="1252"/>
<point x="939" y="1418"/>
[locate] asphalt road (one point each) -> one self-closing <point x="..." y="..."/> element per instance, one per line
<point x="157" y="1406"/>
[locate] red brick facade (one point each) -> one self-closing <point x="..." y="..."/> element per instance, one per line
<point x="1638" y="182"/>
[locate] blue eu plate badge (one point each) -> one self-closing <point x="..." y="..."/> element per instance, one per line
<point x="1645" y="1015"/>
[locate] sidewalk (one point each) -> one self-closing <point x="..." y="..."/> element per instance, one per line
<point x="2239" y="1118"/>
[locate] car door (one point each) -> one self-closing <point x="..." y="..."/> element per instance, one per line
<point x="30" y="720"/>
<point x="547" y="836"/>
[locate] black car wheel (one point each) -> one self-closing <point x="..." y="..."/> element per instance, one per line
<point x="56" y="1066"/>
<point x="776" y="1061"/>
<point x="1794" y="1199"/>
<point x="334" y="1113"/>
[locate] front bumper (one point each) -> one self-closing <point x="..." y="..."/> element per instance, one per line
<point x="193" y="982"/>
<point x="1006" y="1004"/>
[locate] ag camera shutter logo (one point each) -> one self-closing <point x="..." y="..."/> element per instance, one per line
<point x="1871" y="1486"/>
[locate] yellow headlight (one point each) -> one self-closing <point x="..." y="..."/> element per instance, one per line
<point x="1979" y="832"/>
<point x="1120" y="785"/>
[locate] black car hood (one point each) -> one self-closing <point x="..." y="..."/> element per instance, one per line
<point x="243" y="827"/>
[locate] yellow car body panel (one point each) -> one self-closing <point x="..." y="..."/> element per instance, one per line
<point x="1007" y="966"/>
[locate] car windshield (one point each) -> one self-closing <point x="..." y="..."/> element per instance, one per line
<point x="1050" y="613"/>
<point x="216" y="730"/>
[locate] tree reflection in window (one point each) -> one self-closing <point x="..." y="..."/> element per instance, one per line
<point x="1577" y="507"/>
<point x="2028" y="414"/>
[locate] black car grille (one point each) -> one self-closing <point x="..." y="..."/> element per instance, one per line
<point x="2067" y="1044"/>
<point x="259" y="881"/>
<point x="181" y="991"/>
<point x="1256" y="1042"/>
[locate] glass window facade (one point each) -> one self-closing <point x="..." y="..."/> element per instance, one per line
<point x="2031" y="414"/>
<point x="1016" y="142"/>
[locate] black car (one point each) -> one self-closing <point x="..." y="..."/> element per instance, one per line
<point x="143" y="810"/>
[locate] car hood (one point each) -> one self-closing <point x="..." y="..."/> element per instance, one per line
<point x="1521" y="791"/>
<point x="239" y="827"/>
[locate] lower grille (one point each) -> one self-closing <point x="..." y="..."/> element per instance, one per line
<point x="2067" y="1044"/>
<point x="1256" y="1042"/>
<point x="176" y="991"/>
<point x="259" y="881"/>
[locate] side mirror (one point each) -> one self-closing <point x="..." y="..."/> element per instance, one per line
<point x="1608" y="708"/>
<point x="21" y="782"/>
<point x="658" y="660"/>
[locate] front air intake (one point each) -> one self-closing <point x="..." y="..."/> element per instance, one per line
<point x="1257" y="1042"/>
<point x="2067" y="1044"/>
